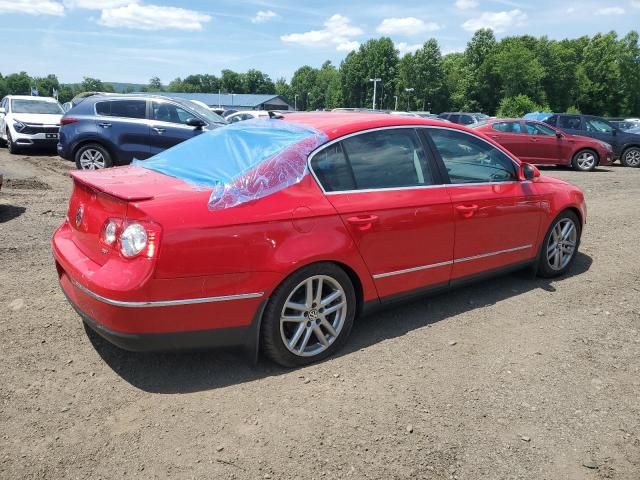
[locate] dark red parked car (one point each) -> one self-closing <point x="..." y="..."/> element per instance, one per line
<point x="279" y="233"/>
<point x="538" y="143"/>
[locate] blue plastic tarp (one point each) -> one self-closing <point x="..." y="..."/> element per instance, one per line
<point x="540" y="116"/>
<point x="241" y="162"/>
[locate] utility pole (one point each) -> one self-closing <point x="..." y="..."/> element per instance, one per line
<point x="396" y="97"/>
<point x="375" y="83"/>
<point x="408" y="90"/>
<point x="295" y="102"/>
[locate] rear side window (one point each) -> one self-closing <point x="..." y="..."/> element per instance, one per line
<point x="539" y="129"/>
<point x="389" y="158"/>
<point x="454" y="118"/>
<point x="332" y="170"/>
<point x="469" y="159"/>
<point x="507" y="127"/>
<point x="598" y="126"/>
<point x="122" y="108"/>
<point x="466" y="119"/>
<point x="572" y="122"/>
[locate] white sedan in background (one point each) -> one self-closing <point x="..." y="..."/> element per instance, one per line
<point x="29" y="121"/>
<point x="247" y="115"/>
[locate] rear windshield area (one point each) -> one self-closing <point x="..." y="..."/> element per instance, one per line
<point x="241" y="162"/>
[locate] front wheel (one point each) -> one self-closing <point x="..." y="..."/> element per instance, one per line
<point x="560" y="245"/>
<point x="631" y="157"/>
<point x="11" y="146"/>
<point x="309" y="316"/>
<point x="584" y="160"/>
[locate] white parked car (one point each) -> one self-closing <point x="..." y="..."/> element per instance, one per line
<point x="29" y="121"/>
<point x="247" y="115"/>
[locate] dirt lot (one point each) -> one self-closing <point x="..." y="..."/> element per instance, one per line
<point x="542" y="382"/>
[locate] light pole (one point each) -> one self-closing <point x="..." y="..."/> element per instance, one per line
<point x="232" y="97"/>
<point x="375" y="83"/>
<point x="396" y="97"/>
<point x="308" y="100"/>
<point x="408" y="90"/>
<point x="295" y="102"/>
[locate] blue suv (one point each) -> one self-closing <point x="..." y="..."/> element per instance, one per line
<point x="107" y="130"/>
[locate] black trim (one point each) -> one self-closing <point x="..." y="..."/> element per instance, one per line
<point x="247" y="337"/>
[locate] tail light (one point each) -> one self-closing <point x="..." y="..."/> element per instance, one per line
<point x="68" y="120"/>
<point x="131" y="238"/>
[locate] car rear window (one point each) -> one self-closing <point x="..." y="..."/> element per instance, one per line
<point x="122" y="108"/>
<point x="241" y="162"/>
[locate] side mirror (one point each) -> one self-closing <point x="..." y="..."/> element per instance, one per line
<point x="528" y="172"/>
<point x="196" y="122"/>
<point x="2" y="111"/>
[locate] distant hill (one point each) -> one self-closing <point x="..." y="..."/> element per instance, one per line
<point x="118" y="87"/>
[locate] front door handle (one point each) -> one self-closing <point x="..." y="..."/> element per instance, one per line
<point x="159" y="130"/>
<point x="105" y="124"/>
<point x="467" y="211"/>
<point x="363" y="222"/>
<point x="534" y="140"/>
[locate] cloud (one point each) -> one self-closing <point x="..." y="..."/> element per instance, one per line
<point x="153" y="17"/>
<point x="97" y="4"/>
<point x="404" y="47"/>
<point x="496" y="21"/>
<point x="635" y="3"/>
<point x="406" y="26"/>
<point x="571" y="10"/>
<point x="610" y="11"/>
<point x="337" y="31"/>
<point x="32" y="7"/>
<point x="263" y="16"/>
<point x="466" y="4"/>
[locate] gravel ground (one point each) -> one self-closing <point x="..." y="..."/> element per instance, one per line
<point x="514" y="378"/>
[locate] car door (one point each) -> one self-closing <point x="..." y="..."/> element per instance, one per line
<point x="123" y="124"/>
<point x="169" y="125"/>
<point x="545" y="146"/>
<point x="394" y="205"/>
<point x="602" y="130"/>
<point x="509" y="135"/>
<point x="496" y="216"/>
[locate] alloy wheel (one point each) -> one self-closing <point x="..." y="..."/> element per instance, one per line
<point x="313" y="316"/>
<point x="562" y="244"/>
<point x="632" y="158"/>
<point x="586" y="161"/>
<point x="91" y="159"/>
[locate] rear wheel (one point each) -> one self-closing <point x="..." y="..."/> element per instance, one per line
<point x="560" y="245"/>
<point x="584" y="160"/>
<point x="631" y="157"/>
<point x="309" y="316"/>
<point x="92" y="156"/>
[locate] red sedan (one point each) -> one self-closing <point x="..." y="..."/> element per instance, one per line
<point x="278" y="233"/>
<point x="538" y="143"/>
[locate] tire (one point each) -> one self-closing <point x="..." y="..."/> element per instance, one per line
<point x="631" y="157"/>
<point x="552" y="261"/>
<point x="92" y="156"/>
<point x="294" y="343"/>
<point x="585" y="160"/>
<point x="11" y="146"/>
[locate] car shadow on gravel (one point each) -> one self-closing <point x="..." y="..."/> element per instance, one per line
<point x="9" y="212"/>
<point x="186" y="372"/>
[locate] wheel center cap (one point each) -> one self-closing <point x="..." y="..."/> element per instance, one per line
<point x="313" y="314"/>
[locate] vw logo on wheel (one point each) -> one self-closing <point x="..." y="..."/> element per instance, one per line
<point x="79" y="213"/>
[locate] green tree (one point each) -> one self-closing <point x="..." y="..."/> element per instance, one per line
<point x="89" y="84"/>
<point x="430" y="87"/>
<point x="66" y="93"/>
<point x="232" y="82"/>
<point x="302" y="84"/>
<point x="257" y="82"/>
<point x="155" y="85"/>
<point x="516" y="107"/>
<point x="45" y="85"/>
<point x="482" y="88"/>
<point x="18" y="83"/>
<point x="517" y="69"/>
<point x="630" y="73"/>
<point x="283" y="89"/>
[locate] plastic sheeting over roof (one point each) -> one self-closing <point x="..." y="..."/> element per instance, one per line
<point x="540" y="116"/>
<point x="241" y="162"/>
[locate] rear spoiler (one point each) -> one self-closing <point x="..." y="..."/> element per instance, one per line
<point x="113" y="183"/>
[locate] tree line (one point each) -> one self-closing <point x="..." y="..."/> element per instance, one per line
<point x="596" y="75"/>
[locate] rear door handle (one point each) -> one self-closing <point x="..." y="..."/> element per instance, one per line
<point x="159" y="130"/>
<point x="364" y="222"/>
<point x="534" y="139"/>
<point x="467" y="211"/>
<point x="105" y="124"/>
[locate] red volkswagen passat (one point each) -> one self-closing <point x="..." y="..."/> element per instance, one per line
<point x="536" y="142"/>
<point x="278" y="233"/>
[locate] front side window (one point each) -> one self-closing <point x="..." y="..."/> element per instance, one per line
<point x="168" y="112"/>
<point x="122" y="108"/>
<point x="390" y="158"/>
<point x="571" y="122"/>
<point x="469" y="159"/>
<point x="598" y="126"/>
<point x="466" y="119"/>
<point x="539" y="129"/>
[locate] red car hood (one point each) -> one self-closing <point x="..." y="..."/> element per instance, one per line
<point x="132" y="183"/>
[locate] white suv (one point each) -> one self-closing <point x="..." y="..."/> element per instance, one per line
<point x="29" y="121"/>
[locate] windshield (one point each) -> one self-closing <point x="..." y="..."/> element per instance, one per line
<point x="241" y="162"/>
<point x="208" y="115"/>
<point x="36" y="106"/>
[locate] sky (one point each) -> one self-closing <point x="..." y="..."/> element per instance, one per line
<point x="134" y="40"/>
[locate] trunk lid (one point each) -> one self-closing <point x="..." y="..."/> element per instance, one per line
<point x="100" y="195"/>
